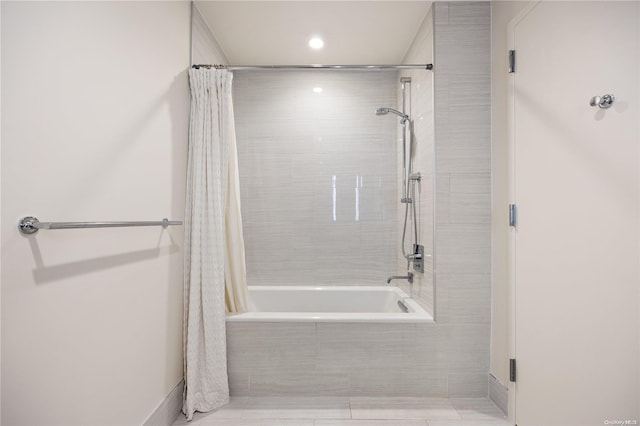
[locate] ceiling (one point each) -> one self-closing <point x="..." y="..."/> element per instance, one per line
<point x="277" y="32"/>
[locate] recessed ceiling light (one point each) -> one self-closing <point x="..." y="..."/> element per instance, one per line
<point x="317" y="89"/>
<point x="316" y="43"/>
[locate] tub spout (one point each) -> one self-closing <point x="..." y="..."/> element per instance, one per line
<point x="408" y="277"/>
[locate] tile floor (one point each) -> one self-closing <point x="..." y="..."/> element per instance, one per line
<point x="355" y="411"/>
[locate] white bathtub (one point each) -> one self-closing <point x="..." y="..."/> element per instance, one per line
<point x="376" y="304"/>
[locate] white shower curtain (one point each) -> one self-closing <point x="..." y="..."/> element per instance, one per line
<point x="214" y="269"/>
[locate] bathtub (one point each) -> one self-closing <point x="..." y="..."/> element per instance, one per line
<point x="334" y="341"/>
<point x="375" y="304"/>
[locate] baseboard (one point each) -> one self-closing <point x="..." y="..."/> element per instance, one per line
<point x="169" y="409"/>
<point x="498" y="393"/>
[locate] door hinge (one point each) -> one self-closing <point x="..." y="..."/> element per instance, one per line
<point x="512" y="370"/>
<point x="512" y="215"/>
<point x="512" y="61"/>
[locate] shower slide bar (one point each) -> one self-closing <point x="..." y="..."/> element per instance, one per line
<point x="315" y="67"/>
<point x="31" y="225"/>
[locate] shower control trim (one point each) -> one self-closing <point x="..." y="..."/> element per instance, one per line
<point x="417" y="258"/>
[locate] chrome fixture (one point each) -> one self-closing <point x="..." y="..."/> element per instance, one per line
<point x="31" y="225"/>
<point x="408" y="277"/>
<point x="403" y="306"/>
<point x="404" y="119"/>
<point x="409" y="180"/>
<point x="417" y="257"/>
<point x="315" y="67"/>
<point x="385" y="111"/>
<point x="602" y="102"/>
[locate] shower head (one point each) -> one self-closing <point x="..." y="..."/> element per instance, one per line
<point x="385" y="111"/>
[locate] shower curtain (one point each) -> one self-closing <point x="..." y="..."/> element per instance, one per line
<point x="214" y="267"/>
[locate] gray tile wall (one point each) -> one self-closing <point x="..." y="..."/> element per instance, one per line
<point x="317" y="176"/>
<point x="422" y="113"/>
<point x="449" y="358"/>
<point x="336" y="359"/>
<point x="463" y="192"/>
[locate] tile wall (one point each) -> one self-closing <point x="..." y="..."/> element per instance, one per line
<point x="317" y="175"/>
<point x="420" y="96"/>
<point x="462" y="84"/>
<point x="338" y="359"/>
<point x="292" y="237"/>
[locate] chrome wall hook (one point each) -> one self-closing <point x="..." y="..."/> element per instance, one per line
<point x="602" y="102"/>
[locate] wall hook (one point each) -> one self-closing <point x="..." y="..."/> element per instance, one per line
<point x="602" y="102"/>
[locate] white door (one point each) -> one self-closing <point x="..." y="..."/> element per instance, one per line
<point x="575" y="183"/>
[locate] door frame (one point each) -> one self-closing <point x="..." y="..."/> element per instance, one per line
<point x="512" y="198"/>
<point x="511" y="170"/>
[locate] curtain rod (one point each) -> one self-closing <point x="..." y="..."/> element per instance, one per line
<point x="315" y="67"/>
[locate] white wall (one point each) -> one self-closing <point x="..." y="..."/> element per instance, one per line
<point x="502" y="12"/>
<point x="95" y="115"/>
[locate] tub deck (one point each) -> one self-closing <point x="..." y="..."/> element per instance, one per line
<point x="377" y="304"/>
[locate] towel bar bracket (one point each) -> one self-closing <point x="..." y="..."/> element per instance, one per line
<point x="28" y="225"/>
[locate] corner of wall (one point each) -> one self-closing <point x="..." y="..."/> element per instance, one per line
<point x="169" y="409"/>
<point x="499" y="394"/>
<point x="205" y="49"/>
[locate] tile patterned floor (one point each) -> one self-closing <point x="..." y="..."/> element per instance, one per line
<point x="355" y="411"/>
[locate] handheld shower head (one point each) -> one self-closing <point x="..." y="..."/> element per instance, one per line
<point x="385" y="111"/>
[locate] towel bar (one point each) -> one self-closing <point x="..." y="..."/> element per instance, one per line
<point x="31" y="225"/>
